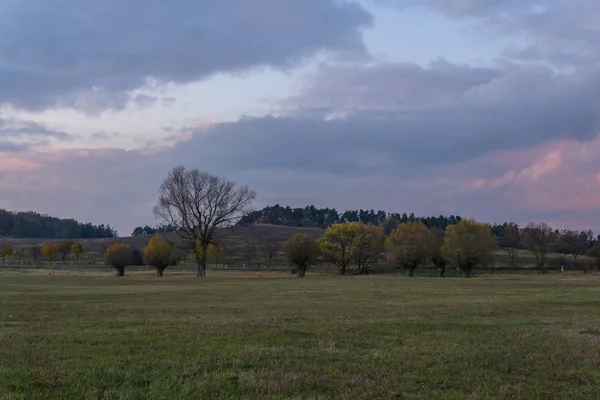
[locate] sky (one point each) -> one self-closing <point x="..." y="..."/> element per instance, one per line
<point x="483" y="108"/>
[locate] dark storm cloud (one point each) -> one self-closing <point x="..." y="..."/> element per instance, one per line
<point x="88" y="54"/>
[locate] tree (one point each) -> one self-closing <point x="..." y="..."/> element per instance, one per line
<point x="35" y="252"/>
<point x="250" y="253"/>
<point x="336" y="244"/>
<point x="510" y="241"/>
<point x="409" y="245"/>
<point x="158" y="253"/>
<point x="196" y="204"/>
<point x="77" y="250"/>
<point x="367" y="245"/>
<point x="269" y="251"/>
<point x="539" y="238"/>
<point x="119" y="255"/>
<point x="217" y="251"/>
<point x="435" y="251"/>
<point x="6" y="251"/>
<point x="467" y="244"/>
<point x="301" y="250"/>
<point x="49" y="250"/>
<point x="64" y="248"/>
<point x="595" y="254"/>
<point x="573" y="242"/>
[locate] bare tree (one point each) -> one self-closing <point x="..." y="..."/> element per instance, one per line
<point x="196" y="204"/>
<point x="510" y="241"/>
<point x="539" y="238"/>
<point x="269" y="251"/>
<point x="250" y="253"/>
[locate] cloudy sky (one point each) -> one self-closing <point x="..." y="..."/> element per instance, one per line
<point x="483" y="108"/>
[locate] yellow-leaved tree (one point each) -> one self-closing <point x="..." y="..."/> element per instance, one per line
<point x="467" y="244"/>
<point x="217" y="252"/>
<point x="49" y="250"/>
<point x="158" y="254"/>
<point x="64" y="248"/>
<point x="6" y="251"/>
<point x="77" y="250"/>
<point x="367" y="245"/>
<point x="409" y="245"/>
<point x="336" y="244"/>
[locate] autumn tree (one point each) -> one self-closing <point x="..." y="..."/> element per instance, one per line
<point x="302" y="251"/>
<point x="77" y="250"/>
<point x="6" y="251"/>
<point x="158" y="253"/>
<point x="217" y="251"/>
<point x="119" y="255"/>
<point x="435" y="251"/>
<point x="49" y="250"/>
<point x="510" y="242"/>
<point x="64" y="248"/>
<point x="409" y="245"/>
<point x="367" y="245"/>
<point x="467" y="244"/>
<point x="539" y="238"/>
<point x="196" y="204"/>
<point x="336" y="244"/>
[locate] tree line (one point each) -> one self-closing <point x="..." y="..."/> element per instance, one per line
<point x="311" y="216"/>
<point x="33" y="225"/>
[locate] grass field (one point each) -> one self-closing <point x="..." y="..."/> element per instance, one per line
<point x="265" y="335"/>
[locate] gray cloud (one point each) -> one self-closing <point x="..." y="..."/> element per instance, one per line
<point x="87" y="55"/>
<point x="562" y="32"/>
<point x="18" y="135"/>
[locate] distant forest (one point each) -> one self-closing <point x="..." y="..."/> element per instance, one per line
<point x="310" y="216"/>
<point x="33" y="225"/>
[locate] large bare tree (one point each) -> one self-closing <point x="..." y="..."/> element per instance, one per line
<point x="197" y="204"/>
<point x="539" y="238"/>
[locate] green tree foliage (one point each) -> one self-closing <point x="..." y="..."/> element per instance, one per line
<point x="119" y="255"/>
<point x="467" y="244"/>
<point x="409" y="245"/>
<point x="435" y="251"/>
<point x="64" y="248"/>
<point x="302" y="251"/>
<point x="311" y="216"/>
<point x="33" y="225"/>
<point x="49" y="250"/>
<point x="158" y="253"/>
<point x="540" y="239"/>
<point x="336" y="244"/>
<point x="77" y="250"/>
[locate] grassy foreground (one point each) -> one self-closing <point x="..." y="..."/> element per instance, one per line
<point x="242" y="336"/>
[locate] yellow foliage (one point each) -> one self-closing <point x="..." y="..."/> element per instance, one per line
<point x="50" y="251"/>
<point x="336" y="244"/>
<point x="467" y="244"/>
<point x="409" y="244"/>
<point x="77" y="250"/>
<point x="157" y="252"/>
<point x="367" y="245"/>
<point x="6" y="250"/>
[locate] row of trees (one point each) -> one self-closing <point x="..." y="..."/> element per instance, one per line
<point x="463" y="245"/>
<point x="48" y="250"/>
<point x="33" y="225"/>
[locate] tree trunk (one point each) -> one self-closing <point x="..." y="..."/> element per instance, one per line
<point x="467" y="270"/>
<point x="301" y="271"/>
<point x="343" y="271"/>
<point x="575" y="261"/>
<point x="159" y="272"/>
<point x="410" y="271"/>
<point x="201" y="263"/>
<point x="120" y="271"/>
<point x="441" y="271"/>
